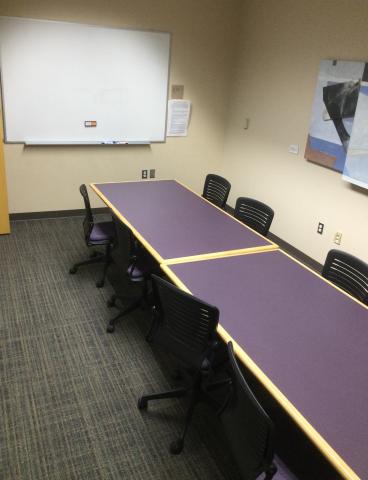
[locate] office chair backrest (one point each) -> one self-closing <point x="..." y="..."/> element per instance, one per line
<point x="183" y="324"/>
<point x="88" y="219"/>
<point x="255" y="214"/>
<point x="347" y="272"/>
<point x="216" y="190"/>
<point x="248" y="428"/>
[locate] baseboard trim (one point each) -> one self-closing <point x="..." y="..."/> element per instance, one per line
<point x="54" y="214"/>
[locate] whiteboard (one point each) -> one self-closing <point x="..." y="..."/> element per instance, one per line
<point x="56" y="76"/>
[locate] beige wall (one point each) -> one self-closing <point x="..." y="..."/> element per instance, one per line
<point x="276" y="59"/>
<point x="203" y="32"/>
<point x="281" y="45"/>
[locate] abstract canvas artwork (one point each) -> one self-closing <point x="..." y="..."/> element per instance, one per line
<point x="356" y="163"/>
<point x="338" y="133"/>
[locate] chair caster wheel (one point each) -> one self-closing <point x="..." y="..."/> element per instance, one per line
<point x="176" y="447"/>
<point x="142" y="403"/>
<point x="100" y="283"/>
<point x="73" y="270"/>
<point x="110" y="328"/>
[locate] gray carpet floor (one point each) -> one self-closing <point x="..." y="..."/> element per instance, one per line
<point x="68" y="390"/>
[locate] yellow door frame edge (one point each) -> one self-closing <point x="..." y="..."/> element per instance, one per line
<point x="4" y="209"/>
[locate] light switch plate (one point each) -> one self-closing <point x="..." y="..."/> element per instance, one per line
<point x="294" y="148"/>
<point x="177" y="92"/>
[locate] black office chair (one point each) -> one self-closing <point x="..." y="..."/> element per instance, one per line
<point x="249" y="431"/>
<point x="185" y="327"/>
<point x="255" y="214"/>
<point x="216" y="190"/>
<point x="347" y="272"/>
<point x="96" y="234"/>
<point x="142" y="266"/>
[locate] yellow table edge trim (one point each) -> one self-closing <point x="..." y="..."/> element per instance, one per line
<point x="333" y="457"/>
<point x="214" y="255"/>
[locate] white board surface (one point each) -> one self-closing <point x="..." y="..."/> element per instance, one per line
<point x="56" y="76"/>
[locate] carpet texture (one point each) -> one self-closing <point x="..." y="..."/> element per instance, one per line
<point x="68" y="390"/>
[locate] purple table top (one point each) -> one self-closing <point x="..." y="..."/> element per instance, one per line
<point x="307" y="337"/>
<point x="176" y="222"/>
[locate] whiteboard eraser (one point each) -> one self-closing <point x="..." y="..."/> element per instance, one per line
<point x="90" y="123"/>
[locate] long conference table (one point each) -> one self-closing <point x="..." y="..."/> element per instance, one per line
<point x="302" y="337"/>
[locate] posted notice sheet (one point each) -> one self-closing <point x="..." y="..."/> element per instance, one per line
<point x="178" y="118"/>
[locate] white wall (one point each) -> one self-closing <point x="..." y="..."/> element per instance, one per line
<point x="47" y="178"/>
<point x="280" y="48"/>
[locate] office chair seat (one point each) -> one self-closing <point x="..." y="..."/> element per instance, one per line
<point x="139" y="271"/>
<point x="102" y="233"/>
<point x="282" y="473"/>
<point x="141" y="267"/>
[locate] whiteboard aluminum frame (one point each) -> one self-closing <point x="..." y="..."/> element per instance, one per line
<point x="39" y="143"/>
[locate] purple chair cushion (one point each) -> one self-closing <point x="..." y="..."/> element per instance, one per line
<point x="283" y="473"/>
<point x="142" y="267"/>
<point x="102" y="232"/>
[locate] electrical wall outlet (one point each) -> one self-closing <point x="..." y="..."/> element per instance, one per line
<point x="144" y="174"/>
<point x="152" y="173"/>
<point x="320" y="228"/>
<point x="337" y="238"/>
